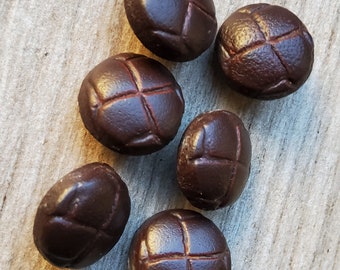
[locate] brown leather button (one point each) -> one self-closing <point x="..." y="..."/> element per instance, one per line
<point x="265" y="51"/>
<point x="176" y="30"/>
<point x="131" y="104"/>
<point x="213" y="160"/>
<point x="82" y="216"/>
<point x="179" y="240"/>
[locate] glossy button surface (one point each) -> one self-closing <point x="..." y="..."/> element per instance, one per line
<point x="265" y="51"/>
<point x="82" y="216"/>
<point x="213" y="161"/>
<point x="178" y="30"/>
<point x="131" y="103"/>
<point x="179" y="240"/>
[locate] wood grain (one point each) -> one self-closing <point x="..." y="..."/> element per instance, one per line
<point x="288" y="217"/>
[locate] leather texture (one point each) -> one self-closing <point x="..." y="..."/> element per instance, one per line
<point x="179" y="240"/>
<point x="82" y="216"/>
<point x="213" y="161"/>
<point x="132" y="104"/>
<point x="177" y="30"/>
<point x="265" y="51"/>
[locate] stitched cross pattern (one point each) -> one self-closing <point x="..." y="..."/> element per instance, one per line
<point x="70" y="214"/>
<point x="140" y="91"/>
<point x="189" y="258"/>
<point x="276" y="42"/>
<point x="205" y="156"/>
<point x="192" y="8"/>
<point x="272" y="41"/>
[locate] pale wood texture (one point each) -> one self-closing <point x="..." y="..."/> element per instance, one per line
<point x="288" y="217"/>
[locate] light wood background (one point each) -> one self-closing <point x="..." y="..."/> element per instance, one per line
<point x="288" y="217"/>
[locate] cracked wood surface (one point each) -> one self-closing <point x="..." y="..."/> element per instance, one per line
<point x="288" y="216"/>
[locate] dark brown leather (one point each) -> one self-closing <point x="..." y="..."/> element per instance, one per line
<point x="265" y="51"/>
<point x="178" y="30"/>
<point x="132" y="104"/>
<point x="82" y="216"/>
<point x="213" y="160"/>
<point x="179" y="240"/>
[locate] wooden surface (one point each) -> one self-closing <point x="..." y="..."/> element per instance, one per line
<point x="288" y="217"/>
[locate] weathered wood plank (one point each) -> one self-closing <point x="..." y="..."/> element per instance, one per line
<point x="288" y="216"/>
